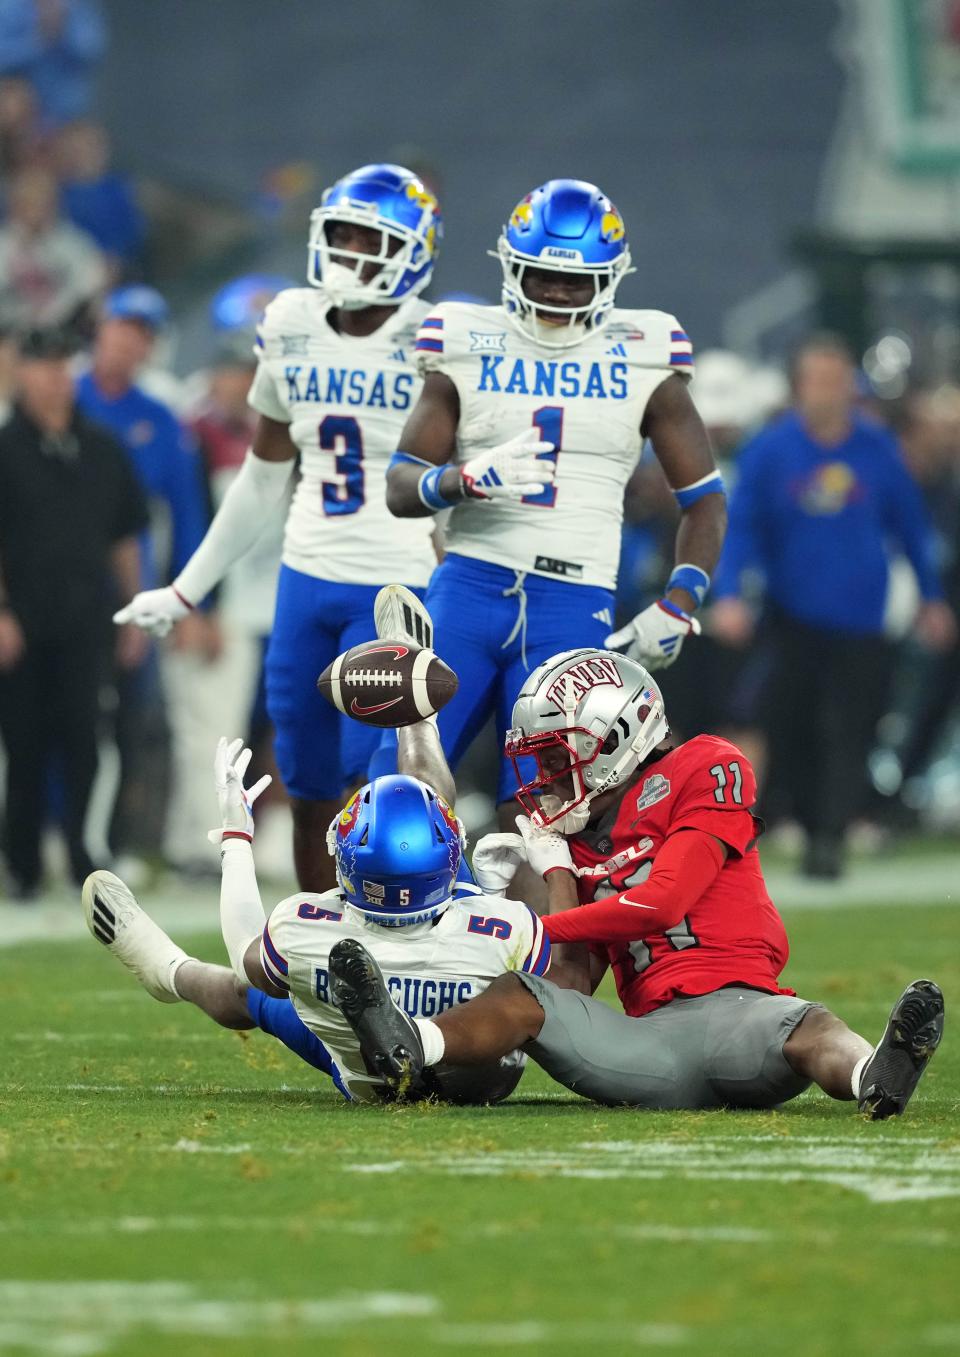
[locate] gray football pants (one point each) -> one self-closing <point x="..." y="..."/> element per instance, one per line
<point x="723" y="1049"/>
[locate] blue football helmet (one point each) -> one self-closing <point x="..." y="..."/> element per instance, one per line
<point x="398" y="847"/>
<point x="568" y="226"/>
<point x="393" y="201"/>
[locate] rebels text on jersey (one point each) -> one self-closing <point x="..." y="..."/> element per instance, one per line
<point x="346" y="399"/>
<point x="428" y="967"/>
<point x="732" y="934"/>
<point x="588" y="401"/>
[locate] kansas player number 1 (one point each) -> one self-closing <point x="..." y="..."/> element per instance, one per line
<point x="549" y="420"/>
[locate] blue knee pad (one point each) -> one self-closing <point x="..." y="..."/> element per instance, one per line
<point x="279" y="1018"/>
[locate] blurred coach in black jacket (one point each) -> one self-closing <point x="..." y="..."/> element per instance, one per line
<point x="70" y="512"/>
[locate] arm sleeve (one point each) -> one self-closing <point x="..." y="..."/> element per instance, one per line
<point x="743" y="546"/>
<point x="253" y="495"/>
<point x="241" y="910"/>
<point x="910" y="521"/>
<point x="686" y="865"/>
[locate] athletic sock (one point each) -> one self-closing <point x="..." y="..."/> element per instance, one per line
<point x="857" y="1074"/>
<point x="432" y="1039"/>
<point x="174" y="968"/>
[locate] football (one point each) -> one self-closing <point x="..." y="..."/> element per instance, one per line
<point x="388" y="683"/>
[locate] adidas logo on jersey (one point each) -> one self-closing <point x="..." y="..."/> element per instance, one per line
<point x="398" y="356"/>
<point x="618" y="351"/>
<point x="605" y="616"/>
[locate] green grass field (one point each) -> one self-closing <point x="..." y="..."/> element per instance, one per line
<point x="171" y="1188"/>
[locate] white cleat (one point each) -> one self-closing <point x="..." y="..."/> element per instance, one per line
<point x="398" y="615"/>
<point x="115" y="919"/>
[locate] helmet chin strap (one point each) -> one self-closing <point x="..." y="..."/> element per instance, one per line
<point x="338" y="282"/>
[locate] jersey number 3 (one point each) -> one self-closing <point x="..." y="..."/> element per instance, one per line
<point x="340" y="434"/>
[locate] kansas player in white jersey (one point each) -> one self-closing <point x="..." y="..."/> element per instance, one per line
<point x="335" y="382"/>
<point x="398" y="850"/>
<point x="530" y="422"/>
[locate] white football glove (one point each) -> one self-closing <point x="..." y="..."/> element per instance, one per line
<point x="510" y="471"/>
<point x="495" y="861"/>
<point x="546" y="850"/>
<point x="655" y="636"/>
<point x="153" y="610"/>
<point x="236" y="801"/>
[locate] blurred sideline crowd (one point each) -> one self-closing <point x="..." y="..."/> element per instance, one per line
<point x="831" y="657"/>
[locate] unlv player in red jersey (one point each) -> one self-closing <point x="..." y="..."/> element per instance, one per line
<point x="649" y="854"/>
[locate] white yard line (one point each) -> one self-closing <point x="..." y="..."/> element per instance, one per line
<point x="880" y="1169"/>
<point x="883" y="1171"/>
<point x="83" y="1319"/>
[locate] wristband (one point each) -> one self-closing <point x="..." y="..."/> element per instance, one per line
<point x="707" y="485"/>
<point x="691" y="578"/>
<point x="428" y="488"/>
<point x="405" y="458"/>
<point x="674" y="610"/>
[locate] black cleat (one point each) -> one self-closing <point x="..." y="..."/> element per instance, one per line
<point x="913" y="1034"/>
<point x="389" y="1041"/>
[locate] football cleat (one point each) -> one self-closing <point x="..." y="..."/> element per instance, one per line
<point x="399" y="615"/>
<point x="913" y="1034"/>
<point x="389" y="1041"/>
<point x="115" y="919"/>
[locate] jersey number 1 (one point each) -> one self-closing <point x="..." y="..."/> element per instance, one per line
<point x="340" y="434"/>
<point x="548" y="420"/>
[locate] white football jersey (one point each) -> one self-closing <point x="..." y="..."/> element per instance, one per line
<point x="588" y="400"/>
<point x="346" y="400"/>
<point x="428" y="967"/>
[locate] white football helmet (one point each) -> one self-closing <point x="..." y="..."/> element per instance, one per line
<point x="587" y="719"/>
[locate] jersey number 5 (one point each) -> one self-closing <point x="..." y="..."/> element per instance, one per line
<point x="548" y="421"/>
<point x="340" y="434"/>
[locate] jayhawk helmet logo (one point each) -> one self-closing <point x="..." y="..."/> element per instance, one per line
<point x="421" y="195"/>
<point x="522" y="215"/>
<point x="611" y="226"/>
<point x="348" y="816"/>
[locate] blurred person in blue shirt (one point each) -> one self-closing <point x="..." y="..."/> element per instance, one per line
<point x="162" y="450"/>
<point x="169" y="470"/>
<point x="56" y="45"/>
<point x="822" y="500"/>
<point x="97" y="199"/>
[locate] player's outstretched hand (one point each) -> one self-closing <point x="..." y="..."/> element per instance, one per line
<point x="511" y="470"/>
<point x="546" y="850"/>
<point x="230" y="764"/>
<point x="153" y="610"/>
<point x="655" y="636"/>
<point x="495" y="861"/>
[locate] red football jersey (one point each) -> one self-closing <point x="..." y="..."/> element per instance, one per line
<point x="733" y="935"/>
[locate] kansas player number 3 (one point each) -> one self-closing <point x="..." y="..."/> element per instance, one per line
<point x="340" y="434"/>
